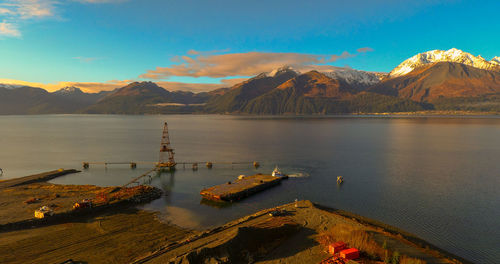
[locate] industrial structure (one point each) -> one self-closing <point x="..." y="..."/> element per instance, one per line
<point x="166" y="161"/>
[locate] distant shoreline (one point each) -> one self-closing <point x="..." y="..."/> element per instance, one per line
<point x="377" y="114"/>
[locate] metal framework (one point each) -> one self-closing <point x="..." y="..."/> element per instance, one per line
<point x="166" y="151"/>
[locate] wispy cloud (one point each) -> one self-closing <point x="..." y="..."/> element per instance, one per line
<point x="343" y="55"/>
<point x="28" y="9"/>
<point x="203" y="64"/>
<point x="101" y="1"/>
<point x="365" y="49"/>
<point x="86" y="59"/>
<point x="6" y="11"/>
<point x="9" y="30"/>
<point x="16" y="12"/>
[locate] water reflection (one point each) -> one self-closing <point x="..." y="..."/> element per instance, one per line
<point x="215" y="204"/>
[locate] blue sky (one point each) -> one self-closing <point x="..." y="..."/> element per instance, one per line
<point x="101" y="44"/>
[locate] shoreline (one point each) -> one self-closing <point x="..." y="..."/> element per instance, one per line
<point x="431" y="113"/>
<point x="219" y="242"/>
<point x="395" y="231"/>
<point x="22" y="232"/>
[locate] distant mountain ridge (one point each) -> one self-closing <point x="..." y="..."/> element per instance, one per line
<point x="144" y="97"/>
<point x="433" y="80"/>
<point x="31" y="100"/>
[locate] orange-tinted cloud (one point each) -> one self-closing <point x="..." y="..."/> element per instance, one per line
<point x="365" y="49"/>
<point x="9" y="30"/>
<point x="344" y="55"/>
<point x="86" y="59"/>
<point x="198" y="64"/>
<point x="17" y="11"/>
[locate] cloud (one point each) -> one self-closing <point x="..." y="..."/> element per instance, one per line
<point x="344" y="55"/>
<point x="365" y="49"/>
<point x="86" y="59"/>
<point x="101" y="1"/>
<point x="9" y="30"/>
<point x="197" y="64"/>
<point x="17" y="12"/>
<point x="6" y="11"/>
<point x="28" y="9"/>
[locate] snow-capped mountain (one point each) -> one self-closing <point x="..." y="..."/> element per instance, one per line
<point x="350" y="76"/>
<point x="495" y="60"/>
<point x="451" y="55"/>
<point x="68" y="90"/>
<point x="355" y="77"/>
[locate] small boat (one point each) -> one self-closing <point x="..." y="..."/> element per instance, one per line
<point x="277" y="172"/>
<point x="340" y="179"/>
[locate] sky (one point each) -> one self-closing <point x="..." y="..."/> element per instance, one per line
<point x="201" y="45"/>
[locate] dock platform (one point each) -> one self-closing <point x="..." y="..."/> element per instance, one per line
<point x="241" y="188"/>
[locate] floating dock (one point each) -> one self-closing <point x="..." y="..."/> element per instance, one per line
<point x="241" y="188"/>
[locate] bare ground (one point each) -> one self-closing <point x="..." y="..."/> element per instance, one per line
<point x="118" y="236"/>
<point x="300" y="228"/>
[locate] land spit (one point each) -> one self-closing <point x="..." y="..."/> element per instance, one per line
<point x="293" y="233"/>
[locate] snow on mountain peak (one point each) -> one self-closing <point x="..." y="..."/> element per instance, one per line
<point x="350" y="76"/>
<point x="280" y="70"/>
<point x="451" y="55"/>
<point x="354" y="77"/>
<point x="495" y="60"/>
<point x="68" y="90"/>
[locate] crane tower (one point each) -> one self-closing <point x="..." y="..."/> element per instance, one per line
<point x="166" y="161"/>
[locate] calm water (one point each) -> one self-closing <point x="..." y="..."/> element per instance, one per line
<point x="434" y="177"/>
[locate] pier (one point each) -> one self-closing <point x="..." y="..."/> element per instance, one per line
<point x="41" y="177"/>
<point x="133" y="164"/>
<point x="166" y="160"/>
<point x="136" y="179"/>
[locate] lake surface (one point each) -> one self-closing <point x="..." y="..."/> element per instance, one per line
<point x="438" y="178"/>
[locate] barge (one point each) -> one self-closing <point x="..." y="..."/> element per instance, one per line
<point x="241" y="188"/>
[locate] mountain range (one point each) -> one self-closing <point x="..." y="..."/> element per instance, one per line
<point x="433" y="80"/>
